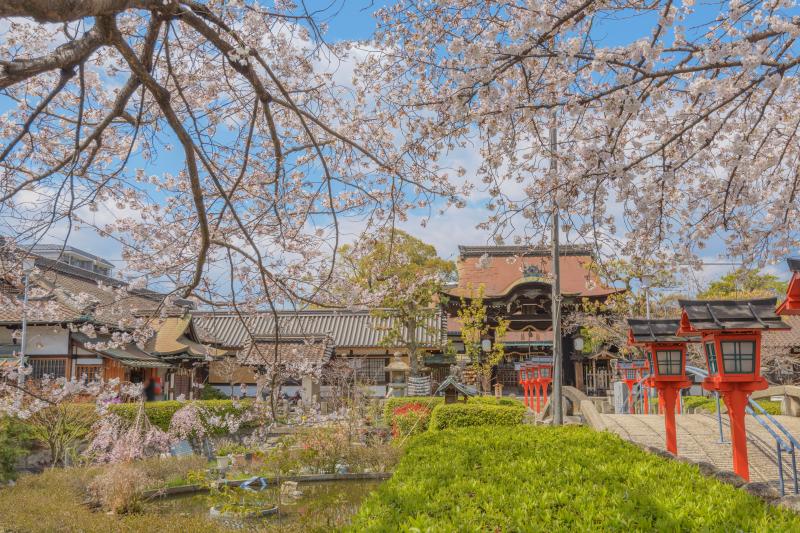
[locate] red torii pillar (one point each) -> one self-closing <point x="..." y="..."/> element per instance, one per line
<point x="523" y="382"/>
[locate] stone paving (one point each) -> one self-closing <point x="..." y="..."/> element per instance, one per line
<point x="698" y="439"/>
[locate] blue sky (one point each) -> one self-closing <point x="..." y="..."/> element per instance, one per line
<point x="352" y="20"/>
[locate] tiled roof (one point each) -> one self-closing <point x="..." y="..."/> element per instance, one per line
<point x="82" y="291"/>
<point x="451" y="381"/>
<point x="352" y="329"/>
<point x="794" y="264"/>
<point x="128" y="354"/>
<point x="313" y="350"/>
<point x="655" y="330"/>
<point x="731" y="314"/>
<point x="511" y="268"/>
<point x="42" y="308"/>
<point x="783" y="338"/>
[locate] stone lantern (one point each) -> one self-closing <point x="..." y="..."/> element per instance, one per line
<point x="666" y="360"/>
<point x="398" y="376"/>
<point x="730" y="334"/>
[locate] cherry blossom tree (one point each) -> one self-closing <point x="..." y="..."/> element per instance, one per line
<point x="675" y="125"/>
<point x="268" y="153"/>
<point x="271" y="154"/>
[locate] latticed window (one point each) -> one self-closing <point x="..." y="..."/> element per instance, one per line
<point x="711" y="358"/>
<point x="738" y="357"/>
<point x="88" y="372"/>
<point x="370" y="370"/>
<point x="55" y="368"/>
<point x="669" y="362"/>
<point x="630" y="374"/>
<point x="544" y="372"/>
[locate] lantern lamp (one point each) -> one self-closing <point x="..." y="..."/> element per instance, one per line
<point x="730" y="334"/>
<point x="666" y="358"/>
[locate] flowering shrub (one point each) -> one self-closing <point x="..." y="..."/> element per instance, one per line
<point x="410" y="419"/>
<point x="187" y="423"/>
<point x="221" y="417"/>
<point x="117" y="440"/>
<point x="323" y="448"/>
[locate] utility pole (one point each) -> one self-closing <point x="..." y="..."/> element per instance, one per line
<point x="558" y="414"/>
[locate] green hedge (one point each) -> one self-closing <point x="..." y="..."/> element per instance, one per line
<point x="710" y="404"/>
<point x="160" y="413"/>
<point x="432" y="401"/>
<point x="457" y="415"/>
<point x="528" y="478"/>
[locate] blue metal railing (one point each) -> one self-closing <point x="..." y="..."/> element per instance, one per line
<point x="784" y="441"/>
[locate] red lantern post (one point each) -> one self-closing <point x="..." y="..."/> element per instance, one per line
<point x="631" y="373"/>
<point x="730" y="332"/>
<point x="666" y="359"/>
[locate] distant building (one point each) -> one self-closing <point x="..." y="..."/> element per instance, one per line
<point x="74" y="257"/>
<point x="69" y="292"/>
<point x="517" y="285"/>
<point x="356" y="338"/>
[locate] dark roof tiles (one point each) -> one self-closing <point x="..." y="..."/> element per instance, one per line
<point x="732" y="314"/>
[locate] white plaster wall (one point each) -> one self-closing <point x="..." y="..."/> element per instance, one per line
<point x="42" y="340"/>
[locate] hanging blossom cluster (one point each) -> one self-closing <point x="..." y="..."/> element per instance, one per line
<point x="115" y="440"/>
<point x="273" y="153"/>
<point x="684" y="133"/>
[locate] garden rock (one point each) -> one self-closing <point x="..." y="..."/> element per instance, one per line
<point x="726" y="476"/>
<point x="762" y="490"/>
<point x="707" y="469"/>
<point x="791" y="502"/>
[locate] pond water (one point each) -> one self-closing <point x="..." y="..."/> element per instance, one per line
<point x="323" y="506"/>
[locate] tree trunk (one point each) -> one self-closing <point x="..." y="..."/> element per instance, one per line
<point x="411" y="335"/>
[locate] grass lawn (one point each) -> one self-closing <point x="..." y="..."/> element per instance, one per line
<point x="52" y="501"/>
<point x="542" y="479"/>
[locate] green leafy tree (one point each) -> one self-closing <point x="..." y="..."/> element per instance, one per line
<point x="407" y="277"/>
<point x="744" y="283"/>
<point x="475" y="326"/>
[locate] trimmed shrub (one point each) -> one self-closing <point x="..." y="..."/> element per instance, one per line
<point x="570" y="478"/>
<point x="710" y="404"/>
<point x="773" y="408"/>
<point x="457" y="415"/>
<point x="410" y="419"/>
<point x="491" y="400"/>
<point x="432" y="401"/>
<point x="161" y="413"/>
<point x="15" y="442"/>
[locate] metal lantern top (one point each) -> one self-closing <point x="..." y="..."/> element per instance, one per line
<point x="730" y="332"/>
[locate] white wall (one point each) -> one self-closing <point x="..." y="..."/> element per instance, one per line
<point x="42" y="340"/>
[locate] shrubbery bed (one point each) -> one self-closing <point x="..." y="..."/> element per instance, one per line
<point x="528" y="478"/>
<point x="160" y="413"/>
<point x="459" y="415"/>
<point x="710" y="404"/>
<point x="430" y="402"/>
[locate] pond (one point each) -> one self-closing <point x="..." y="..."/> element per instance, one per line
<point x="323" y="506"/>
